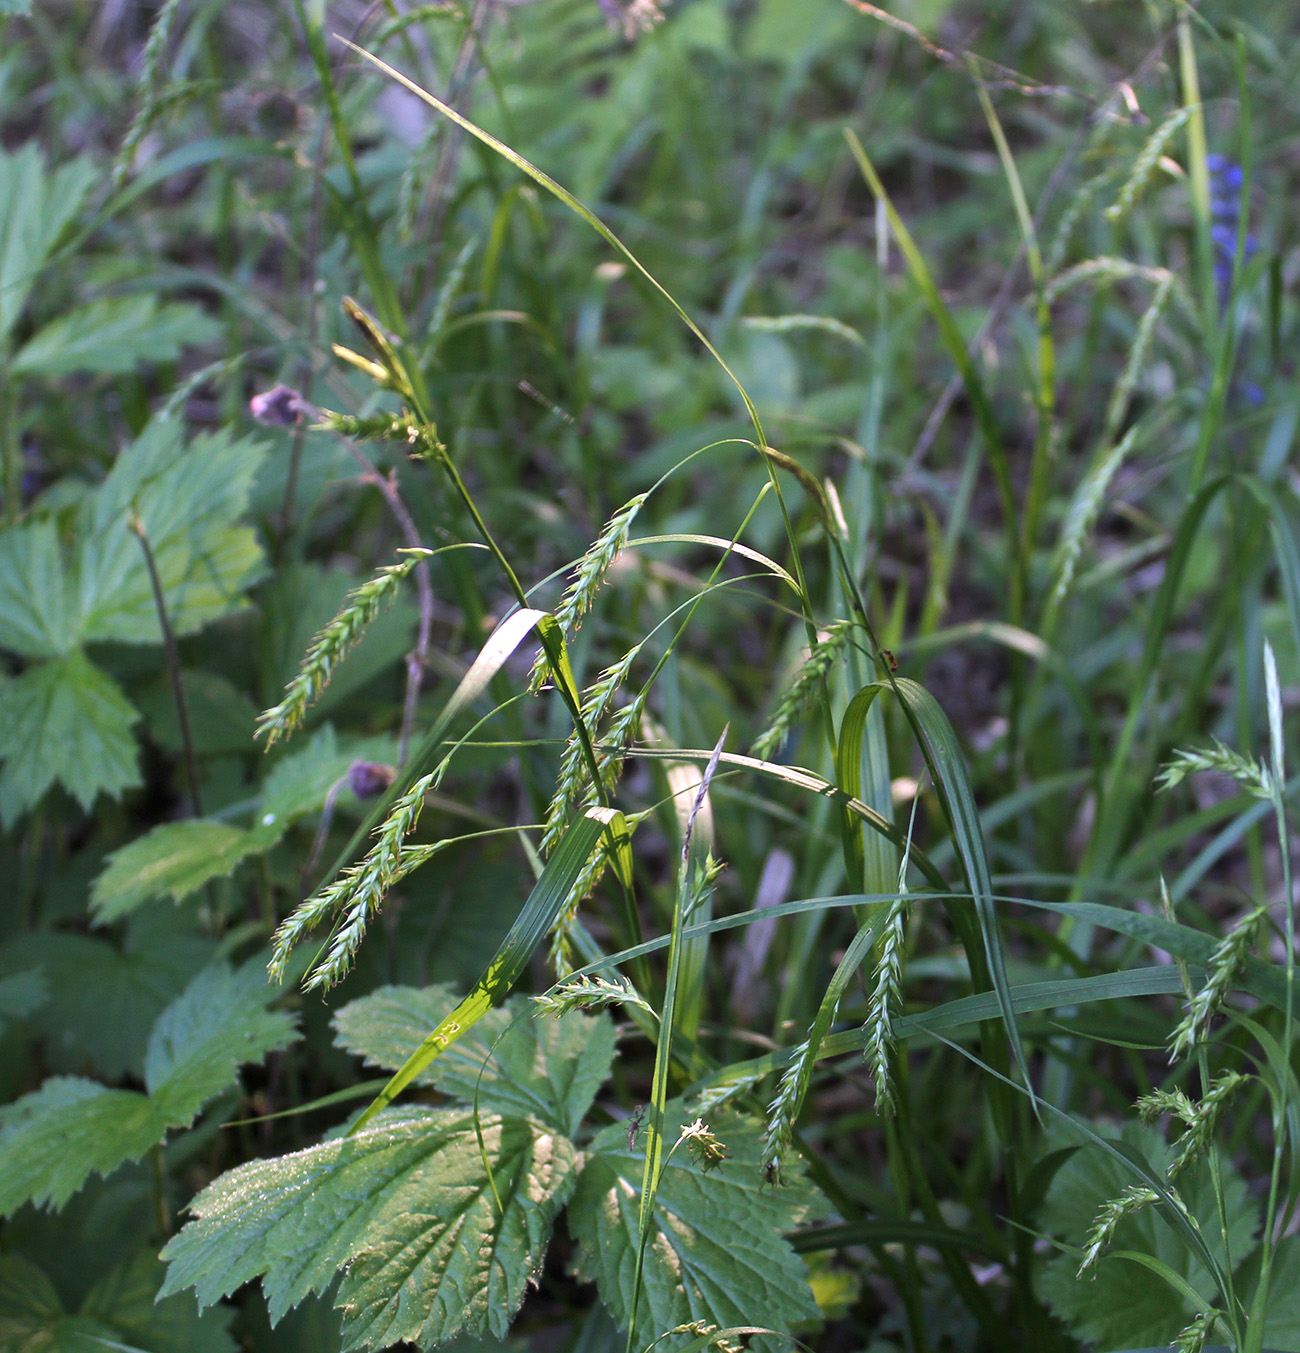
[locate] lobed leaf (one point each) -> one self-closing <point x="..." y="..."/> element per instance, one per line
<point x="406" y="1208"/>
<point x="174" y="860"/>
<point x="113" y="336"/>
<point x="716" y="1253"/>
<point x="65" y="721"/>
<point x="54" y="1139"/>
<point x="511" y="1063"/>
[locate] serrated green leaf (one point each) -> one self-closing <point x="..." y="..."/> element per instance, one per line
<point x="127" y="1299"/>
<point x="174" y="860"/>
<point x="543" y="1068"/>
<point x="405" y="1207"/>
<point x="64" y="721"/>
<point x="1282" y="1315"/>
<point x="37" y="606"/>
<point x="109" y="998"/>
<point x="54" y="1139"/>
<point x="187" y="499"/>
<point x="216" y="1025"/>
<point x="51" y="1141"/>
<point x="35" y="206"/>
<point x="32" y="1317"/>
<point x="113" y="336"/>
<point x="1125" y="1305"/>
<point x="118" y="1312"/>
<point x="716" y="1252"/>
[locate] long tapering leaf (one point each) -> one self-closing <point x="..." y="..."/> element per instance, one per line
<point x="534" y="920"/>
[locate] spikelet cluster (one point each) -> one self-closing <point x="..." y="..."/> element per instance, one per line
<point x="1221" y="973"/>
<point x="1146" y="161"/>
<point x="1137" y="357"/>
<point x="881" y="1041"/>
<point x="1071" y="217"/>
<point x="1200" y="1120"/>
<point x="1192" y="1339"/>
<point x="152" y="100"/>
<point x="830" y="644"/>
<point x="1133" y="1199"/>
<point x="358" y="892"/>
<point x="331" y="646"/>
<point x="1253" y="777"/>
<point x="420" y="439"/>
<point x="589" y="993"/>
<point x="705" y="1148"/>
<point x="1082" y="515"/>
<point x="784" y="1109"/>
<point x="724" y="1091"/>
<point x="592" y="570"/>
<point x="1103" y="269"/>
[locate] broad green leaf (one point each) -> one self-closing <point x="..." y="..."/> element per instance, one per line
<point x="543" y="1068"/>
<point x="1282" y="1316"/>
<point x="35" y="206"/>
<point x="119" y="1312"/>
<point x="716" y="1252"/>
<point x="301" y="780"/>
<point x="20" y="995"/>
<point x="109" y="996"/>
<point x="52" y="1140"/>
<point x="1125" y="1305"/>
<point x="404" y="1207"/>
<point x="64" y="721"/>
<point x="127" y="1299"/>
<point x="37" y="603"/>
<point x="216" y="1025"/>
<point x="113" y="336"/>
<point x="187" y="499"/>
<point x="174" y="860"/>
<point x="535" y="918"/>
<point x="32" y="1318"/>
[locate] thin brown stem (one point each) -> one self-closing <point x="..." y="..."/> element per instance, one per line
<point x="173" y="659"/>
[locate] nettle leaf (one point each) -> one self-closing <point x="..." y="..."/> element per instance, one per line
<point x="1125" y="1305"/>
<point x="1282" y="1313"/>
<point x="119" y="1311"/>
<point x="716" y="1251"/>
<point x="174" y="860"/>
<point x="218" y="1024"/>
<point x="35" y="207"/>
<point x="405" y="1208"/>
<point x="187" y="498"/>
<point x="127" y="1299"/>
<point x="108" y="997"/>
<point x="53" y="1140"/>
<point x="37" y="602"/>
<point x="545" y="1068"/>
<point x="113" y="336"/>
<point x="65" y="720"/>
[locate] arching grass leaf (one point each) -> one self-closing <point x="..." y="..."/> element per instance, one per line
<point x="511" y="1062"/>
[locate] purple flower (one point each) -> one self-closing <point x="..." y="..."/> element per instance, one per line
<point x="369" y="779"/>
<point x="278" y="407"/>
